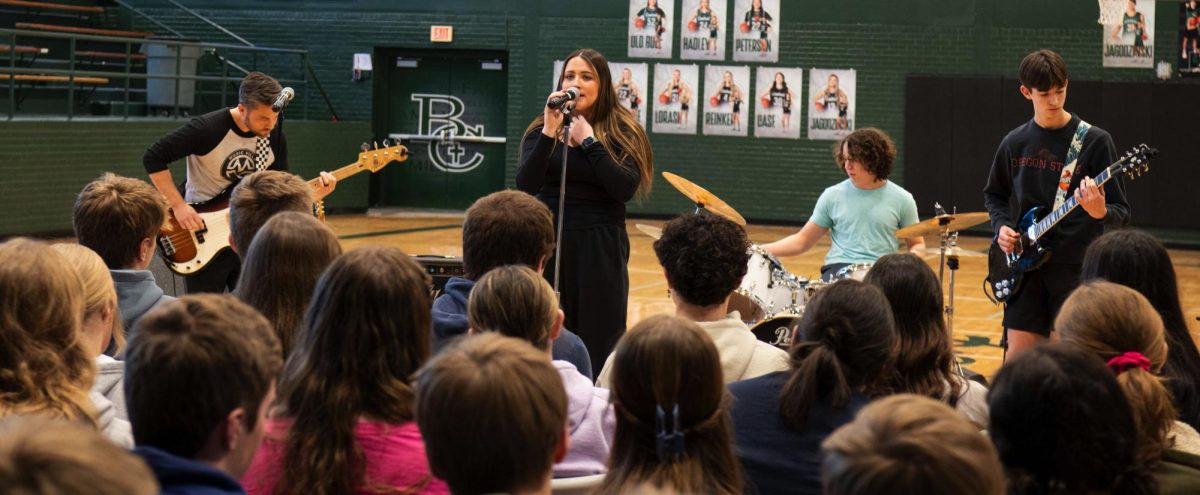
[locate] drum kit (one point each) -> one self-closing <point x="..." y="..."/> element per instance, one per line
<point x="771" y="299"/>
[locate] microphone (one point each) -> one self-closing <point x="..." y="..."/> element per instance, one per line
<point x="283" y="99"/>
<point x="557" y="101"/>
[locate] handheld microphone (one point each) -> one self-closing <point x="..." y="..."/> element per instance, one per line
<point x="283" y="99"/>
<point x="557" y="101"/>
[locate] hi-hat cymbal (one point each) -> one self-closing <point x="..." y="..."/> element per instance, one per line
<point x="949" y="222"/>
<point x="953" y="251"/>
<point x="650" y="230"/>
<point x="703" y="198"/>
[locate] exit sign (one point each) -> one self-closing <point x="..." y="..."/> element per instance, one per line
<point x="441" y="34"/>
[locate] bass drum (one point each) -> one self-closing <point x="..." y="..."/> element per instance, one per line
<point x="777" y="331"/>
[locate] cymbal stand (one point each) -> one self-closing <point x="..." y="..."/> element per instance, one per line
<point x="949" y="241"/>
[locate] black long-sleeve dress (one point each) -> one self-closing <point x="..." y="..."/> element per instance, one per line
<point x="594" y="285"/>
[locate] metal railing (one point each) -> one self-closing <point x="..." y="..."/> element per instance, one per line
<point x="221" y="50"/>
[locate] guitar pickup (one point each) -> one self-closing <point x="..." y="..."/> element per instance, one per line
<point x="200" y="233"/>
<point x="168" y="247"/>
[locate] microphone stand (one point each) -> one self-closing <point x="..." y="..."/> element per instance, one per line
<point x="566" y="109"/>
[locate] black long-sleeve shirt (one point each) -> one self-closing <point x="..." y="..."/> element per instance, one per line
<point x="218" y="153"/>
<point x="1025" y="174"/>
<point x="596" y="182"/>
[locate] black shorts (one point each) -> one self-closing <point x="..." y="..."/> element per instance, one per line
<point x="1190" y="33"/>
<point x="683" y="106"/>
<point x="737" y="106"/>
<point x="713" y="34"/>
<point x="787" y="109"/>
<point x="1041" y="296"/>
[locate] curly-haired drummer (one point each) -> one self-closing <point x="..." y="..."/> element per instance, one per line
<point x="861" y="213"/>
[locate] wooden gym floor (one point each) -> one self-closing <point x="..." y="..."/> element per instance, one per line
<point x="976" y="319"/>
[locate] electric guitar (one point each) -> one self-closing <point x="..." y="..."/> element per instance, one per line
<point x="1005" y="270"/>
<point x="186" y="252"/>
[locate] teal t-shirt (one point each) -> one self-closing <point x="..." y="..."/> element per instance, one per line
<point x="862" y="223"/>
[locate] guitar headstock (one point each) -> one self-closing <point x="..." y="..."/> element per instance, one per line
<point x="1137" y="161"/>
<point x="375" y="158"/>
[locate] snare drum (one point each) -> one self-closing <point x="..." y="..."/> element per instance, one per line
<point x="857" y="271"/>
<point x="776" y="331"/>
<point x="768" y="289"/>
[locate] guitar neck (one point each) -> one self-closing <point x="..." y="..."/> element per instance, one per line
<point x="341" y="173"/>
<point x="1045" y="224"/>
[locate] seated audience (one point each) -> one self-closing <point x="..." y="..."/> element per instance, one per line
<point x="44" y="370"/>
<point x="280" y="268"/>
<point x="493" y="414"/>
<point x="517" y="302"/>
<point x="101" y="324"/>
<point x="258" y="197"/>
<point x="42" y="456"/>
<point x="502" y="228"/>
<point x="925" y="362"/>
<point x="704" y="258"/>
<point x="673" y="429"/>
<point x="910" y="444"/>
<point x="198" y="381"/>
<point x="843" y="347"/>
<point x="1061" y="425"/>
<point x="119" y="218"/>
<point x="343" y="422"/>
<point x="1139" y="261"/>
<point x="1121" y="327"/>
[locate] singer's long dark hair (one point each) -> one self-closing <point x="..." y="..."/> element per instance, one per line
<point x="616" y="128"/>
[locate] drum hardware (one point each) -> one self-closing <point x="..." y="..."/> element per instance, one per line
<point x="704" y="199"/>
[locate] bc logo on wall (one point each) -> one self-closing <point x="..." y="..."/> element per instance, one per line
<point x="438" y="115"/>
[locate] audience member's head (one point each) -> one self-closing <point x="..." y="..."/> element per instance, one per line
<point x="1120" y="326"/>
<point x="673" y="426"/>
<point x="843" y="346"/>
<point x="118" y="218"/>
<point x="198" y="380"/>
<point x="704" y="257"/>
<point x="506" y="228"/>
<point x="101" y="323"/>
<point x="366" y="332"/>
<point x="1139" y="261"/>
<point x="258" y="197"/>
<point x="517" y="302"/>
<point x="42" y="456"/>
<point x="280" y="268"/>
<point x="1062" y="425"/>
<point x="493" y="414"/>
<point x="910" y="444"/>
<point x="925" y="353"/>
<point x="43" y="368"/>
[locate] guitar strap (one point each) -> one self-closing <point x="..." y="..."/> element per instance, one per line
<point x="262" y="147"/>
<point x="1068" y="171"/>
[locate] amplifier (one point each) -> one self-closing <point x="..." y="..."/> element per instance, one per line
<point x="440" y="269"/>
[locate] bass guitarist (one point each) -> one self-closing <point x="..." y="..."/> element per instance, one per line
<point x="1032" y="165"/>
<point x="220" y="148"/>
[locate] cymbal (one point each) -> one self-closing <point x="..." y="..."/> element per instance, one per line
<point x="703" y="198"/>
<point x="650" y="230"/>
<point x="948" y="222"/>
<point x="954" y="251"/>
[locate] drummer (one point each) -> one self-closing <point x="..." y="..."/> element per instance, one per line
<point x="862" y="213"/>
<point x="704" y="258"/>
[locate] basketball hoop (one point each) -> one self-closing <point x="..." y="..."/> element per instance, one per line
<point x="1111" y="12"/>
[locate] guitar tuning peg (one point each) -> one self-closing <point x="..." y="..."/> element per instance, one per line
<point x="386" y="143"/>
<point x="365" y="146"/>
<point x="376" y="144"/>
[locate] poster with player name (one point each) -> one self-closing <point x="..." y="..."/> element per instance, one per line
<point x="778" y="97"/>
<point x="649" y="28"/>
<point x="702" y="31"/>
<point x="726" y="101"/>
<point x="674" y="98"/>
<point x="1130" y="42"/>
<point x="831" y="103"/>
<point x="629" y="80"/>
<point x="756" y="30"/>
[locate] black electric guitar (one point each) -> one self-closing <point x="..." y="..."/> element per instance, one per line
<point x="1005" y="270"/>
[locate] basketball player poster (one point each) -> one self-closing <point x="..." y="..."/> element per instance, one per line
<point x="629" y="80"/>
<point x="702" y="29"/>
<point x="1130" y="42"/>
<point x="831" y="103"/>
<point x="675" y="98"/>
<point x="649" y="26"/>
<point x="726" y="100"/>
<point x="756" y="30"/>
<point x="777" y="99"/>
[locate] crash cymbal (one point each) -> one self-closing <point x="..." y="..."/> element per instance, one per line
<point x="703" y="198"/>
<point x="650" y="230"/>
<point x="954" y="251"/>
<point x="949" y="222"/>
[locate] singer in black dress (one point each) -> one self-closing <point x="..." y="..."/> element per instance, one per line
<point x="609" y="161"/>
